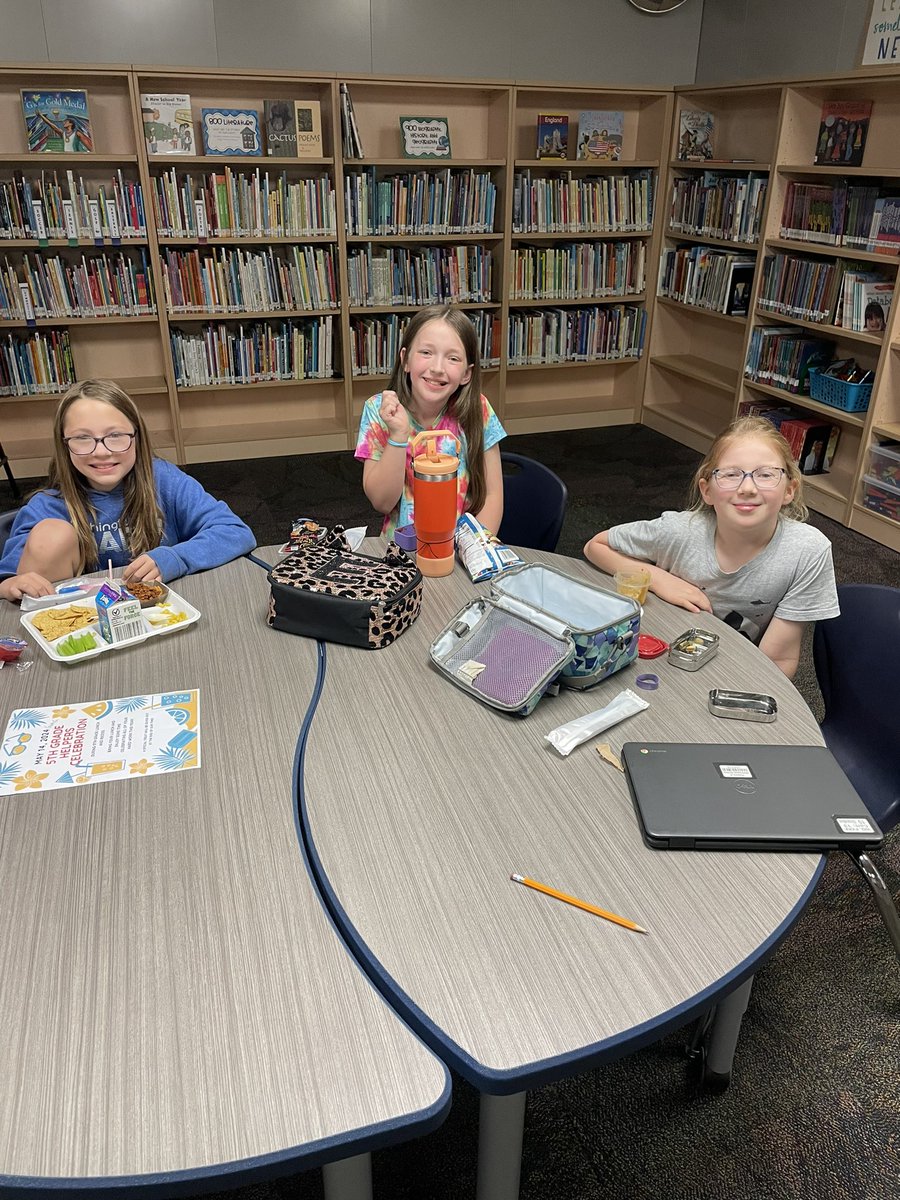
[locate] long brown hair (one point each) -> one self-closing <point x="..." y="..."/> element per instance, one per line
<point x="762" y="430"/>
<point x="142" y="519"/>
<point x="465" y="404"/>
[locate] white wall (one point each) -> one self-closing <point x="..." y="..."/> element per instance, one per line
<point x="763" y="39"/>
<point x="580" y="41"/>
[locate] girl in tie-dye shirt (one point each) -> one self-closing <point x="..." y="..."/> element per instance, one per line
<point x="436" y="384"/>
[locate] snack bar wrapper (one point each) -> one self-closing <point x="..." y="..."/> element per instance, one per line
<point x="566" y="737"/>
<point x="483" y="555"/>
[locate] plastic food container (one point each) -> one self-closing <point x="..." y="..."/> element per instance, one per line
<point x="149" y="594"/>
<point x="176" y="611"/>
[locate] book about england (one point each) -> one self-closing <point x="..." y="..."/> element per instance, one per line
<point x="230" y="131"/>
<point x="57" y="122"/>
<point x="843" y="128"/>
<point x="600" y="135"/>
<point x="552" y="135"/>
<point x="168" y="124"/>
<point x="696" y="130"/>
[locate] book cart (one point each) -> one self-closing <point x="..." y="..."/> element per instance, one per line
<point x="700" y="362"/>
<point x="92" y="258"/>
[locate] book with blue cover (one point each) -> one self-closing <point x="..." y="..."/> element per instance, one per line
<point x="57" y="121"/>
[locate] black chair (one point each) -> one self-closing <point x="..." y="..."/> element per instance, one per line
<point x="534" y="503"/>
<point x="6" y="522"/>
<point x="857" y="663"/>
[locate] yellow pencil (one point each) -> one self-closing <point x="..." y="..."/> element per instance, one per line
<point x="598" y="912"/>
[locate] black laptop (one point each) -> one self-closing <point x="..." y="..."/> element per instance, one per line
<point x="691" y="796"/>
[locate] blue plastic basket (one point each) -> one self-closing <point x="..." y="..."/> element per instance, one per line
<point x="837" y="393"/>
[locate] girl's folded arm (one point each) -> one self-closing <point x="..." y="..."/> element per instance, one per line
<point x="663" y="583"/>
<point x="782" y="642"/>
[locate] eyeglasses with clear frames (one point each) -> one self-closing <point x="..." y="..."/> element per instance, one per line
<point x="116" y="443"/>
<point x="730" y="479"/>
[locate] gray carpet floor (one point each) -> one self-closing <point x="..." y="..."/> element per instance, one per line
<point x="813" y="1112"/>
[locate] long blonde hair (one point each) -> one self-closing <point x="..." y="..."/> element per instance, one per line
<point x="142" y="519"/>
<point x="465" y="404"/>
<point x="762" y="430"/>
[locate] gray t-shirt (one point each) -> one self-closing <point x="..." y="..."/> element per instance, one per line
<point x="792" y="578"/>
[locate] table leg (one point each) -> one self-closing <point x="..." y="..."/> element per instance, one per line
<point x="348" y="1179"/>
<point x="501" y="1124"/>
<point x="723" y="1036"/>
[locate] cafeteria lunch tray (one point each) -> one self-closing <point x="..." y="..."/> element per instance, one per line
<point x="172" y="601"/>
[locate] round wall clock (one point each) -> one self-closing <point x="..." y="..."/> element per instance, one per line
<point x="656" y="6"/>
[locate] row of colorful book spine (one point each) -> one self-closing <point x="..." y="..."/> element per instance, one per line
<point x="430" y="275"/>
<point x="238" y="280"/>
<point x="576" y="335"/>
<point x="569" y="203"/>
<point x="37" y="364"/>
<point x="422" y="202"/>
<point x="243" y="204"/>
<point x="805" y="288"/>
<point x="729" y="207"/>
<point x="703" y="276"/>
<point x="375" y="341"/>
<point x="261" y="352"/>
<point x="46" y="207"/>
<point x="861" y="216"/>
<point x="577" y="271"/>
<point x="781" y="357"/>
<point x="92" y="286"/>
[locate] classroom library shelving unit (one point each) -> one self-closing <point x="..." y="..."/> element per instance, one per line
<point x="378" y="252"/>
<point x="696" y="377"/>
<point x="126" y="347"/>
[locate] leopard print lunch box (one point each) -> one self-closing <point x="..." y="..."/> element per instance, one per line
<point x="328" y="592"/>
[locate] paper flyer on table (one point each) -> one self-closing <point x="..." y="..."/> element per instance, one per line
<point x="69" y="745"/>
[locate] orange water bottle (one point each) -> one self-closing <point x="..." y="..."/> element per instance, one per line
<point x="434" y="501"/>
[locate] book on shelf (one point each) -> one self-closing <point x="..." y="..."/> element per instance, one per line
<point x="425" y="137"/>
<point x="308" y="120"/>
<point x="57" y="121"/>
<point x="815" y="212"/>
<point x="230" y="131"/>
<point x="843" y="128"/>
<point x="600" y="135"/>
<point x="884" y="232"/>
<point x="168" y="124"/>
<point x="696" y="131"/>
<point x="281" y="128"/>
<point x="738" y="288"/>
<point x="809" y="438"/>
<point x="351" y="143"/>
<point x="552" y="135"/>
<point x="781" y="357"/>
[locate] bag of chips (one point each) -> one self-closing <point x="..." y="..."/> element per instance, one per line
<point x="482" y="554"/>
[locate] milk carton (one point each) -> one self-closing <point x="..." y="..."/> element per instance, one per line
<point x="119" y="614"/>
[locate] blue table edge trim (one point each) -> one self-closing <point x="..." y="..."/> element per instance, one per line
<point x="549" y="1070"/>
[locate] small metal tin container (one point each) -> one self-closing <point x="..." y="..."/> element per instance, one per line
<point x="742" y="706"/>
<point x="693" y="649"/>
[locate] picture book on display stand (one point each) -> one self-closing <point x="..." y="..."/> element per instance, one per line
<point x="695" y="135"/>
<point x="843" y="129"/>
<point x="600" y="135"/>
<point x="552" y="135"/>
<point x="168" y="124"/>
<point x="57" y="122"/>
<point x="230" y="131"/>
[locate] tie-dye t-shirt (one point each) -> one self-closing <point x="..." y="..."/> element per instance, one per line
<point x="373" y="436"/>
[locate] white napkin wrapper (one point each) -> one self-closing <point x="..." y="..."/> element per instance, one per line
<point x="566" y="737"/>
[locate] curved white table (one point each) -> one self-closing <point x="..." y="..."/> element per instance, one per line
<point x="175" y="1007"/>
<point x="418" y="803"/>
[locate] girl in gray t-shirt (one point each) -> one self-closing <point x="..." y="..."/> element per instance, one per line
<point x="742" y="551"/>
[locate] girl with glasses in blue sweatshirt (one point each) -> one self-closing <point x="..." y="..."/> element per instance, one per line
<point x="108" y="499"/>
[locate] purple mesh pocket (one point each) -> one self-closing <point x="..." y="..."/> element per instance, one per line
<point x="515" y="662"/>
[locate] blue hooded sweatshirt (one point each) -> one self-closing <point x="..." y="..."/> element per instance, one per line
<point x="200" y="532"/>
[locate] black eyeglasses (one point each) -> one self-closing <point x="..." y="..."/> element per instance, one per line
<point x="730" y="479"/>
<point x="116" y="443"/>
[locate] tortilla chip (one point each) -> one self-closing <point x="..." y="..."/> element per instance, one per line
<point x="58" y="622"/>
